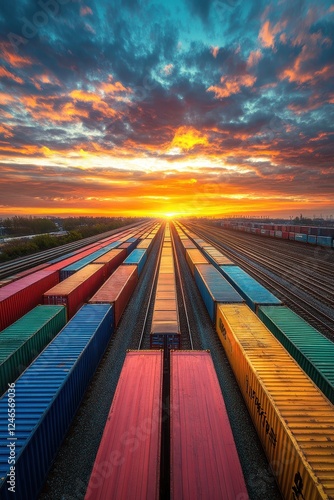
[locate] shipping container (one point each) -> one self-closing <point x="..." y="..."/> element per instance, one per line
<point x="22" y="341"/>
<point x="325" y="241"/>
<point x="301" y="237"/>
<point x="278" y="234"/>
<point x="77" y="289"/>
<point x="146" y="243"/>
<point x="137" y="257"/>
<point x="67" y="271"/>
<point x="292" y="236"/>
<point x="112" y="259"/>
<point x="285" y="235"/>
<point x="312" y="351"/>
<point x="294" y="420"/>
<point x="203" y="455"/>
<point x="47" y="396"/>
<point x="214" y="288"/>
<point x="193" y="257"/>
<point x="129" y="246"/>
<point x="117" y="289"/>
<point x="19" y="297"/>
<point x="216" y="257"/>
<point x="187" y="244"/>
<point x="250" y="289"/>
<point x="272" y="233"/>
<point x="131" y="440"/>
<point x="311" y="238"/>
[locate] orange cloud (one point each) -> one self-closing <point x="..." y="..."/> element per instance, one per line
<point x="186" y="138"/>
<point x="232" y="85"/>
<point x="214" y="51"/>
<point x="81" y="95"/>
<point x="6" y="130"/>
<point x="4" y="73"/>
<point x="5" y="98"/>
<point x="253" y="58"/>
<point x="14" y="58"/>
<point x="268" y="32"/>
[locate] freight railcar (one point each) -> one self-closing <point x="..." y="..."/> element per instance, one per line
<point x="312" y="351"/>
<point x="118" y="289"/>
<point x="47" y="396"/>
<point x="165" y="329"/>
<point x="203" y="455"/>
<point x="294" y="420"/>
<point x="127" y="463"/>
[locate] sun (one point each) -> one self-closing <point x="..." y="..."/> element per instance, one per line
<point x="169" y="215"/>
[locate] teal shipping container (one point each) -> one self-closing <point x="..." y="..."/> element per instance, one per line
<point x="214" y="288"/>
<point x="138" y="256"/>
<point x="312" y="351"/>
<point x="251" y="290"/>
<point x="21" y="342"/>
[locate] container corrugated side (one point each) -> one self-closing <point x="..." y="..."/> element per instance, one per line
<point x="112" y="259"/>
<point x="80" y="264"/>
<point x="47" y="396"/>
<point x="252" y="291"/>
<point x="19" y="297"/>
<point x="294" y="420"/>
<point x="214" y="288"/>
<point x="204" y="457"/>
<point x="325" y="241"/>
<point x="117" y="289"/>
<point x="136" y="408"/>
<point x="21" y="342"/>
<point x="77" y="289"/>
<point x="312" y="351"/>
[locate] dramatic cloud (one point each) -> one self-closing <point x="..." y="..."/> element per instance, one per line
<point x="136" y="106"/>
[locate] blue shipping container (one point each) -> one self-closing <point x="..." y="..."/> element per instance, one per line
<point x="76" y="266"/>
<point x="251" y="290"/>
<point x="311" y="238"/>
<point x="325" y="241"/>
<point x="301" y="237"/>
<point x="47" y="396"/>
<point x="214" y="288"/>
<point x="137" y="257"/>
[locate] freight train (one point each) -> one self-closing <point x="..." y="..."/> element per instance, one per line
<point x="322" y="236"/>
<point x="57" y="379"/>
<point x="292" y="409"/>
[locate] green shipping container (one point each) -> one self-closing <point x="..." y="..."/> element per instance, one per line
<point x="312" y="351"/>
<point x="22" y="341"/>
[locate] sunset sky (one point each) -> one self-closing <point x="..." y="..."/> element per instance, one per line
<point x="140" y="107"/>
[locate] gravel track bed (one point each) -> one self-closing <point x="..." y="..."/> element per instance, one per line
<point x="69" y="475"/>
<point x="260" y="481"/>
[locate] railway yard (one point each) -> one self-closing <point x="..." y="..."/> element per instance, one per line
<point x="169" y="359"/>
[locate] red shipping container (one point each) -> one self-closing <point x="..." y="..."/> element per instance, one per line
<point x="19" y="297"/>
<point x="285" y="235"/>
<point x="292" y="235"/>
<point x="271" y="232"/>
<point x="127" y="464"/>
<point x="77" y="289"/>
<point x="305" y="229"/>
<point x="296" y="229"/>
<point x="204" y="461"/>
<point x="118" y="289"/>
<point x="112" y="259"/>
<point x="257" y="231"/>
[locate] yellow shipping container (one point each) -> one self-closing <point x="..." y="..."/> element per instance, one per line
<point x="294" y="420"/>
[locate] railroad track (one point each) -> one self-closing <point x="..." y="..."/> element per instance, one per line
<point x="8" y="269"/>
<point x="294" y="297"/>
